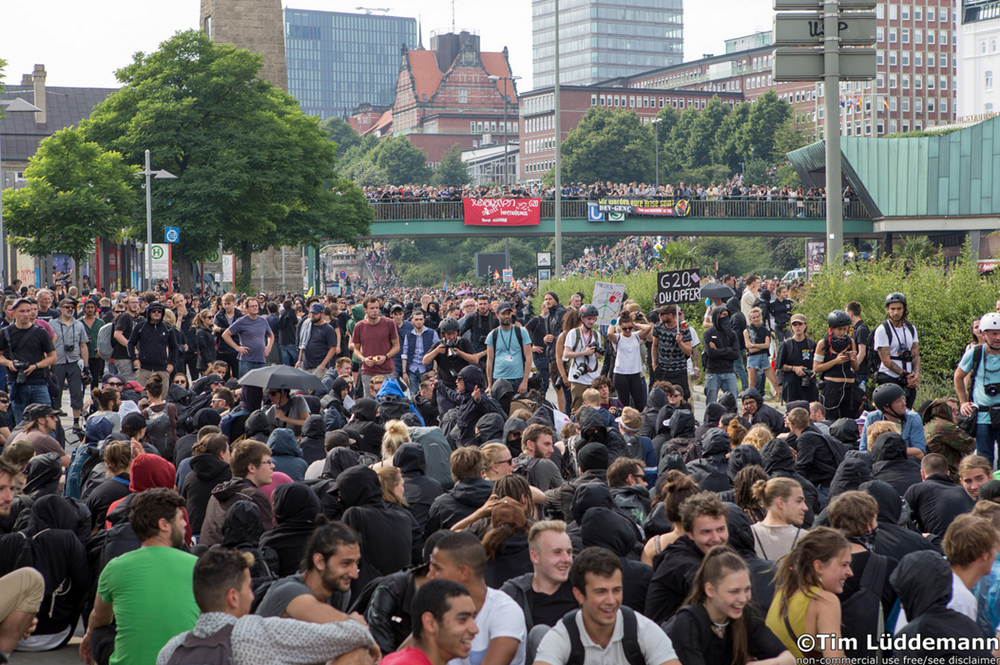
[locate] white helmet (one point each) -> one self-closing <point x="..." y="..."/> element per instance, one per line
<point x="990" y="321"/>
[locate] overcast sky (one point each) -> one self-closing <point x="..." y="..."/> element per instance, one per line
<point x="82" y="43"/>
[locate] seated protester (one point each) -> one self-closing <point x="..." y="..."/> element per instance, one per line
<point x="640" y="447"/>
<point x="988" y="587"/>
<point x="335" y="414"/>
<point x="312" y="442"/>
<point x="672" y="489"/>
<point x="855" y="514"/>
<point x="86" y="456"/>
<point x="257" y="427"/>
<point x="287" y="410"/>
<point x="209" y="382"/>
<point x="601" y="527"/>
<point x="740" y="457"/>
<point x="252" y="467"/>
<point x="114" y="487"/>
<point x="506" y="543"/>
<point x="711" y="472"/>
<point x="592" y="398"/>
<point x="158" y="571"/>
<point x="471" y="399"/>
<point x="973" y="473"/>
<point x="785" y="503"/>
<point x="419" y="489"/>
<point x="241" y="530"/>
<point x="364" y="421"/>
<point x="779" y="462"/>
<point x="391" y="481"/>
<point x="148" y="471"/>
<point x="161" y="417"/>
<point x="184" y="469"/>
<point x="534" y="462"/>
<point x="703" y="517"/>
<point x="924" y="582"/>
<point x="816" y="459"/>
<point x="817" y="414"/>
<point x="470" y="492"/>
<point x="627" y="480"/>
<point x="322" y="586"/>
<point x="844" y="430"/>
<point x="717" y="623"/>
<point x="203" y="418"/>
<point x="945" y="437"/>
<point x="295" y="509"/>
<point x="937" y="501"/>
<point x="444" y="625"/>
<point x="886" y="399"/>
<point x="603" y="386"/>
<point x="41" y="420"/>
<point x="659" y="397"/>
<point x="892" y="464"/>
<point x="891" y="539"/>
<point x="385" y="535"/>
<point x="507" y="489"/>
<point x="334" y="439"/>
<point x="759" y="413"/>
<point x="426" y="403"/>
<point x="713" y="412"/>
<point x="286" y="454"/>
<point x="545" y="594"/>
<point x="221" y="581"/>
<point x="677" y="437"/>
<point x="597" y="579"/>
<point x="513" y="431"/>
<point x="209" y="468"/>
<point x="592" y="460"/>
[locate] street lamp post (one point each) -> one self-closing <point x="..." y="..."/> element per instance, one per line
<point x="149" y="216"/>
<point x="493" y="77"/>
<point x="14" y="106"/>
<point x="656" y="132"/>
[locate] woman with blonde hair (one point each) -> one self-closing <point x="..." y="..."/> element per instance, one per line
<point x="757" y="436"/>
<point x="391" y="479"/>
<point x="396" y="434"/>
<point x="499" y="461"/>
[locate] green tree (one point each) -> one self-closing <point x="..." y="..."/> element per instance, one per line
<point x="341" y="133"/>
<point x="756" y="173"/>
<point x="401" y="161"/>
<point x="252" y="170"/>
<point x="725" y="150"/>
<point x="790" y="136"/>
<point x="914" y="250"/>
<point x="608" y="145"/>
<point x="679" y="255"/>
<point x="452" y="171"/>
<point x="756" y="139"/>
<point x="668" y="117"/>
<point x="76" y="193"/>
<point x="704" y="132"/>
<point x="672" y="159"/>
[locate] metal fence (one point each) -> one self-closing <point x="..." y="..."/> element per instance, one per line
<point x="740" y="208"/>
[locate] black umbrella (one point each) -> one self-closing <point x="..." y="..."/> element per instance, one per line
<point x="282" y="377"/>
<point x="716" y="290"/>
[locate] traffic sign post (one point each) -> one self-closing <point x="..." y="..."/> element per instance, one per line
<point x="172" y="234"/>
<point x="827" y="26"/>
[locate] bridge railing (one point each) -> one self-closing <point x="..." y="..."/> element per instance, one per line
<point x="740" y="208"/>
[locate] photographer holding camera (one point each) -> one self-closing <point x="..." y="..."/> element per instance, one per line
<point x="898" y="348"/>
<point x="451" y="354"/>
<point x="584" y="347"/>
<point x="795" y="360"/>
<point x="71" y="345"/>
<point x="27" y="353"/>
<point x="983" y="363"/>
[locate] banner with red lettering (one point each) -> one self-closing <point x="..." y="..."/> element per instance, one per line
<point x="502" y="212"/>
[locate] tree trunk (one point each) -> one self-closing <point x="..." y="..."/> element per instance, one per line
<point x="182" y="266"/>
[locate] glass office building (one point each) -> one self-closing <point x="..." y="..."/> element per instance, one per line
<point x="605" y="39"/>
<point x="337" y="60"/>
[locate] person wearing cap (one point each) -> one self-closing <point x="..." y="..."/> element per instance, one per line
<point x="71" y="346"/>
<point x="152" y="347"/>
<point x="403" y="328"/>
<point x="376" y="343"/>
<point x="41" y="421"/>
<point x="508" y="352"/>
<point x="27" y="346"/>
<point x="795" y="359"/>
<point x="318" y="341"/>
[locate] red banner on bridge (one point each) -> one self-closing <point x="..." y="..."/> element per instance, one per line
<point x="502" y="212"/>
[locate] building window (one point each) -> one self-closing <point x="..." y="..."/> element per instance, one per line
<point x="892" y="126"/>
<point x="989" y="79"/>
<point x="930" y="37"/>
<point x="906" y="35"/>
<point x="906" y="58"/>
<point x="472" y="126"/>
<point x="463" y="96"/>
<point x="602" y="100"/>
<point x="930" y="60"/>
<point x="918" y="59"/>
<point x="892" y="103"/>
<point x="904" y="13"/>
<point x="479" y="127"/>
<point x="918" y="105"/>
<point x="906" y="82"/>
<point x="918" y="14"/>
<point x="906" y="127"/>
<point x="918" y="36"/>
<point x="880" y="79"/>
<point x="593" y="100"/>
<point x="880" y="127"/>
<point x="892" y="81"/>
<point x="880" y="10"/>
<point x="930" y="14"/>
<point x="880" y="34"/>
<point x="930" y="107"/>
<point x="892" y="34"/>
<point x="989" y="107"/>
<point x="918" y="82"/>
<point x="943" y="106"/>
<point x="892" y="12"/>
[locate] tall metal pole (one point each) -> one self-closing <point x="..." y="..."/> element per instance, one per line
<point x="831" y="81"/>
<point x="149" y="228"/>
<point x="558" y="183"/>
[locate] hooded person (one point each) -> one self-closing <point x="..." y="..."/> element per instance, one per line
<point x="592" y="428"/>
<point x="764" y="414"/>
<point x="332" y="404"/>
<point x="241" y="530"/>
<point x="728" y="402"/>
<point x="257" y="426"/>
<point x="713" y="413"/>
<point x="741" y="540"/>
<point x="740" y="457"/>
<point x="679" y="438"/>
<point x="385" y="535"/>
<point x="208" y="471"/>
<point x="419" y="490"/>
<point x="891" y="539"/>
<point x="846" y="431"/>
<point x="650" y="421"/>
<point x="469" y="409"/>
<point x="286" y="454"/>
<point x="364" y="421"/>
<point x="295" y="510"/>
<point x="855" y="470"/>
<point x="601" y="527"/>
<point x="503" y="393"/>
<point x="923" y="582"/>
<point x="203" y="418"/>
<point x="593" y="462"/>
<point x="779" y="462"/>
<point x="711" y="472"/>
<point x="313" y="437"/>
<point x="512" y="426"/>
<point x="945" y="437"/>
<point x="891" y="464"/>
<point x="338" y="460"/>
<point x="490" y="429"/>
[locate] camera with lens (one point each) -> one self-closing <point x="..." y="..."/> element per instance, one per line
<point x="807" y="377"/>
<point x="992" y="389"/>
<point x="578" y="372"/>
<point x="68" y="348"/>
<point x="449" y="344"/>
<point x="906" y="356"/>
<point x="21" y="366"/>
<point x="596" y="347"/>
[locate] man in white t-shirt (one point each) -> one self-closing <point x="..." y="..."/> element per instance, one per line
<point x="898" y="348"/>
<point x="584" y="348"/>
<point x="460" y="557"/>
<point x="600" y="629"/>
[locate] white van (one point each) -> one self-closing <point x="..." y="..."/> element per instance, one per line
<point x="792" y="275"/>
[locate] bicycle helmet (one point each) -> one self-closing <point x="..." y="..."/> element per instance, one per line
<point x="838" y="318"/>
<point x="588" y="310"/>
<point x="448" y="325"/>
<point x="895" y="297"/>
<point x="990" y="321"/>
<point x="886" y="394"/>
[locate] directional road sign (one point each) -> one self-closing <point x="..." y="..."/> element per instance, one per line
<point x="806" y="5"/>
<point x="806" y="29"/>
<point x="173" y="234"/>
<point x="806" y="64"/>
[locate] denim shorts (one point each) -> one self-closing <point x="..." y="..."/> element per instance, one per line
<point x="761" y="362"/>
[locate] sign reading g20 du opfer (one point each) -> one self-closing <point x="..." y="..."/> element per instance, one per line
<point x="677" y="286"/>
<point x="635" y="206"/>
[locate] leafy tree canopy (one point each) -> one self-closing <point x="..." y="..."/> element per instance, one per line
<point x="608" y="145"/>
<point x="452" y="171"/>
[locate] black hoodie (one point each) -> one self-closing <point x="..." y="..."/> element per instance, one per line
<point x="711" y="471"/>
<point x="313" y="436"/>
<point x="385" y="535"/>
<point x="295" y="510"/>
<point x="741" y="456"/>
<point x="923" y="581"/>
<point x="891" y="464"/>
<point x="182" y="449"/>
<point x="672" y="579"/>
<point x="650" y="423"/>
<point x="153" y="344"/>
<point x="680" y="440"/>
<point x="419" y="490"/>
<point x="779" y="462"/>
<point x="469" y="410"/>
<point x="592" y="429"/>
<point x="207" y="471"/>
<point x="765" y="414"/>
<point x="241" y="530"/>
<point x="338" y="460"/>
<point x="855" y="470"/>
<point x="468" y="495"/>
<point x="603" y="528"/>
<point x="513" y="425"/>
<point x="713" y="412"/>
<point x="936" y="502"/>
<point x="891" y="539"/>
<point x="364" y="422"/>
<point x="257" y="426"/>
<point x="727" y="346"/>
<point x="491" y="428"/>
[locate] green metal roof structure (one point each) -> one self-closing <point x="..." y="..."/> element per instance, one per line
<point x="952" y="175"/>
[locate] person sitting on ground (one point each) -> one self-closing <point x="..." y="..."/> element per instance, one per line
<point x="936" y="501"/>
<point x="545" y="594"/>
<point x="470" y="492"/>
<point x="22" y="589"/>
<point x="777" y="533"/>
<point x="945" y="437"/>
<point x="672" y="490"/>
<point x="252" y="468"/>
<point x="444" y="626"/>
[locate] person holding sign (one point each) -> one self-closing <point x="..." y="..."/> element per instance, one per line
<point x="628" y="359"/>
<point x="671" y="349"/>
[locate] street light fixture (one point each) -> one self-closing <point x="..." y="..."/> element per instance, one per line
<point x="149" y="216"/>
<point x="656" y="132"/>
<point x="15" y="105"/>
<point x="494" y="77"/>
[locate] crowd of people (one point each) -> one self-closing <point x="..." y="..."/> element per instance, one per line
<point x="378" y="257"/>
<point x="629" y="254"/>
<point x="492" y="478"/>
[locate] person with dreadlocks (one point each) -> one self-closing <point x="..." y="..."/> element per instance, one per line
<point x="836" y="358"/>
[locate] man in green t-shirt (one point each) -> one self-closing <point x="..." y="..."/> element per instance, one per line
<point x="147" y="591"/>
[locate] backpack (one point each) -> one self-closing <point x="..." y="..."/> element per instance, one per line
<point x="392" y="407"/>
<point x="105" y="334"/>
<point x="520" y="341"/>
<point x="875" y="364"/>
<point x="630" y="640"/>
<point x="216" y="649"/>
<point x="861" y="614"/>
<point x="969" y="424"/>
<point x="527" y="469"/>
<point x="158" y="431"/>
<point x="85" y="458"/>
<point x="185" y="416"/>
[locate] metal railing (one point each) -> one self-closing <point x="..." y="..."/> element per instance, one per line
<point x="577" y="208"/>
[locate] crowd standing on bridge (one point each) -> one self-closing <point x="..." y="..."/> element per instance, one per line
<point x="490" y="477"/>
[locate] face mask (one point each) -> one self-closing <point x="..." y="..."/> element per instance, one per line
<point x="867" y="540"/>
<point x="725" y="323"/>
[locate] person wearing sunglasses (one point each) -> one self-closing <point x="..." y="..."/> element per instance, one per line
<point x="628" y="359"/>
